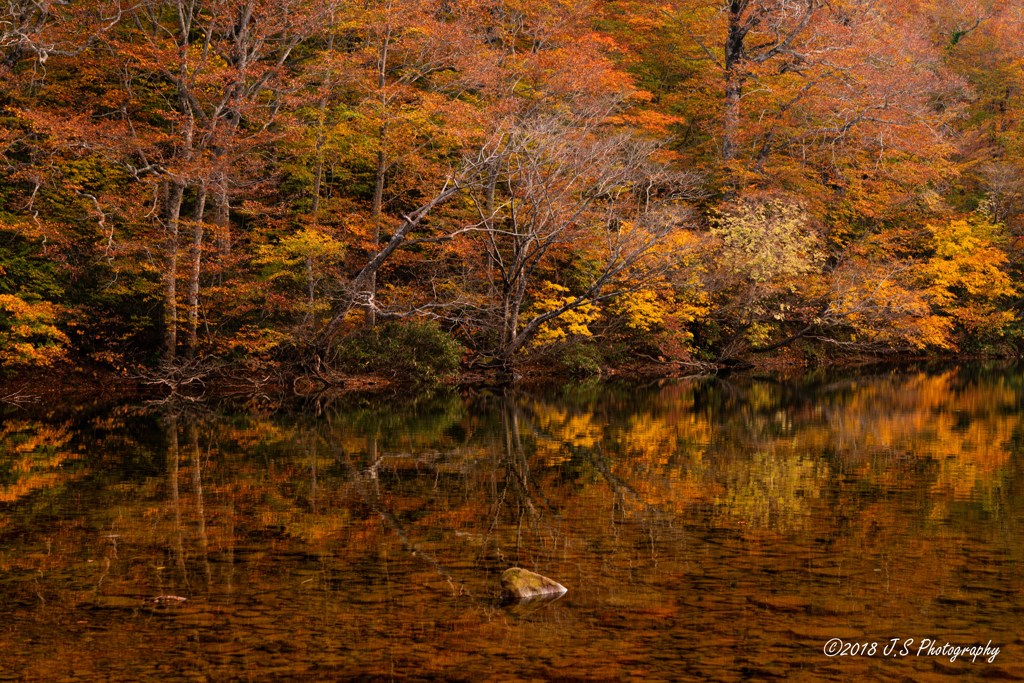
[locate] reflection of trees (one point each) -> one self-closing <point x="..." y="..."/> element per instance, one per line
<point x="766" y="454"/>
<point x="173" y="465"/>
<point x="945" y="433"/>
<point x="32" y="456"/>
<point x="305" y="526"/>
<point x="188" y="514"/>
<point x="368" y="485"/>
<point x="409" y="478"/>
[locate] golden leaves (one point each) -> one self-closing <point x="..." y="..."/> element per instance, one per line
<point x="642" y="309"/>
<point x="967" y="275"/>
<point x="571" y="323"/>
<point x="33" y="453"/>
<point x="884" y="305"/>
<point x="768" y="240"/>
<point x="28" y="333"/>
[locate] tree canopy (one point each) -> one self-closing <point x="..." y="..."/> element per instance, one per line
<point x="683" y="181"/>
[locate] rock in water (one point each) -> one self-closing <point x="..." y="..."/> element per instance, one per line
<point x="518" y="584"/>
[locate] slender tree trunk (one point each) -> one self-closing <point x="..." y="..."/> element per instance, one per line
<point x="222" y="216"/>
<point x="193" y="280"/>
<point x="489" y="209"/>
<point x="733" y="78"/>
<point x="318" y="179"/>
<point x="172" y="222"/>
<point x="513" y="294"/>
<point x="381" y="172"/>
<point x="508" y="325"/>
<point x="378" y="186"/>
<point x="321" y="136"/>
<point x="310" y="289"/>
<point x="375" y="214"/>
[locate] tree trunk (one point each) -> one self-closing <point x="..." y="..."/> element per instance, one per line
<point x="513" y="296"/>
<point x="731" y="124"/>
<point x="310" y="289"/>
<point x="318" y="180"/>
<point x="193" y="279"/>
<point x="172" y="218"/>
<point x="173" y="475"/>
<point x="376" y="211"/>
<point x="321" y="137"/>
<point x="489" y="209"/>
<point x="378" y="186"/>
<point x="368" y="271"/>
<point x="508" y="323"/>
<point x="222" y="217"/>
<point x="733" y="79"/>
<point x="197" y="489"/>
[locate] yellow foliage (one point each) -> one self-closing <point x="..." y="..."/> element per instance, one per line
<point x="769" y="240"/>
<point x="28" y="335"/>
<point x="776" y="488"/>
<point x="560" y="431"/>
<point x="883" y="306"/>
<point x="572" y="323"/>
<point x="642" y="309"/>
<point x="966" y="259"/>
<point x="255" y="340"/>
<point x="967" y="274"/>
<point x="292" y="251"/>
<point x="35" y="455"/>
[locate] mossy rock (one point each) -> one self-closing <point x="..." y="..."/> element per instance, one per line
<point x="520" y="584"/>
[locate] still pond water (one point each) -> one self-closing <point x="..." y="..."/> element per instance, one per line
<point x="711" y="530"/>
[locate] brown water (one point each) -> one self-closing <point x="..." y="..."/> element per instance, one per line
<point x="718" y="530"/>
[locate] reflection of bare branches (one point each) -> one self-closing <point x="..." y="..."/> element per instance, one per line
<point x="368" y="485"/>
<point x="309" y="446"/>
<point x="526" y="495"/>
<point x="517" y="478"/>
<point x="653" y="515"/>
<point x="499" y="501"/>
<point x="615" y="483"/>
<point x="18" y="398"/>
<point x="230" y="584"/>
<point x="518" y="490"/>
<point x="701" y="369"/>
<point x="619" y="487"/>
<point x="515" y="501"/>
<point x="518" y="468"/>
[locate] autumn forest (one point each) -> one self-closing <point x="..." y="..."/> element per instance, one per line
<point x="331" y="187"/>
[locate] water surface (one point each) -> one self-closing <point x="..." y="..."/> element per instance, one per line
<point x="716" y="530"/>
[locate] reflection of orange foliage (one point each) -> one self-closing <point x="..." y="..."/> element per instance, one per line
<point x="663" y="459"/>
<point x="671" y="518"/>
<point x="562" y="430"/>
<point x="261" y="432"/>
<point x="965" y="429"/>
<point x="657" y="454"/>
<point x="362" y="533"/>
<point x="34" y="452"/>
<point x="768" y="469"/>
